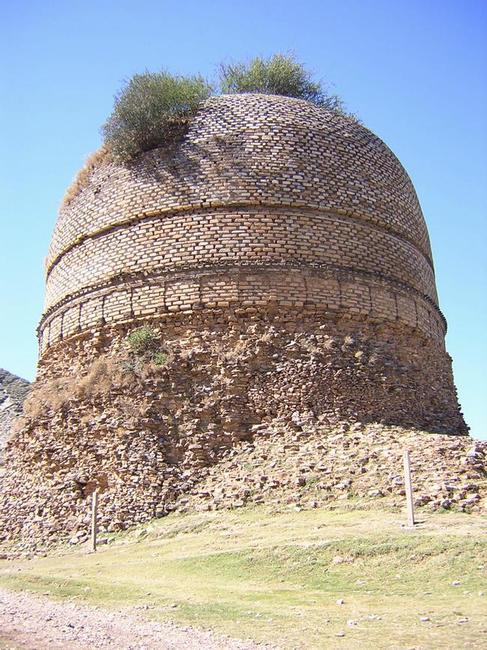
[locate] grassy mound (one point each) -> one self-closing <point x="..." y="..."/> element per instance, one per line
<point x="280" y="576"/>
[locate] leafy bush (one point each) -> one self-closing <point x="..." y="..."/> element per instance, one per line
<point x="152" y="110"/>
<point x="279" y="75"/>
<point x="142" y="340"/>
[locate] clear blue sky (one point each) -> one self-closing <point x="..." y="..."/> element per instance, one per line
<point x="415" y="71"/>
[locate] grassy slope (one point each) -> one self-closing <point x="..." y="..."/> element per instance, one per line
<point x="277" y="576"/>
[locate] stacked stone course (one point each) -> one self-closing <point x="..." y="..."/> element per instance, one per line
<point x="281" y="256"/>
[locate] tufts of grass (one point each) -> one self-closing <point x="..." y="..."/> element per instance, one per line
<point x="99" y="157"/>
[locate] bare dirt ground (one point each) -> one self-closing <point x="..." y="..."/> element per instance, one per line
<point x="30" y="622"/>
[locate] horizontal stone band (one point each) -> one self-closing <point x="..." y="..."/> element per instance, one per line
<point x="339" y="291"/>
<point x="213" y="207"/>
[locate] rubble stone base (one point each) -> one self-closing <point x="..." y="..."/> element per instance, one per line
<point x="247" y="407"/>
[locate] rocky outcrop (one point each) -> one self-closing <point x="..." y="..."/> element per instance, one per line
<point x="13" y="391"/>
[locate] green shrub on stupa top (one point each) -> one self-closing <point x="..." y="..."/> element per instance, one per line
<point x="278" y="75"/>
<point x="152" y="110"/>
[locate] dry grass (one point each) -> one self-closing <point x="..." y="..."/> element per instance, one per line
<point x="97" y="158"/>
<point x="234" y="352"/>
<point x="102" y="375"/>
<point x="100" y="378"/>
<point x="49" y="396"/>
<point x="53" y="395"/>
<point x="266" y="337"/>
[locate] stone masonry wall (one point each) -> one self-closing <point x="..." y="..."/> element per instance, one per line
<point x="340" y="292"/>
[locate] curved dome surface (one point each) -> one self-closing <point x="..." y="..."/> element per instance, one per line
<point x="268" y="199"/>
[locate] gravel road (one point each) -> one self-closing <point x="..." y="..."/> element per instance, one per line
<point x="31" y="622"/>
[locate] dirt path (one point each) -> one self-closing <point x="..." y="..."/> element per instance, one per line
<point x="30" y="622"/>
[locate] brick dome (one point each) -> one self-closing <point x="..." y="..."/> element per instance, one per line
<point x="268" y="201"/>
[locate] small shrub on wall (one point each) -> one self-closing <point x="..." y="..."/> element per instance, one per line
<point x="142" y="340"/>
<point x="145" y="346"/>
<point x="152" y="110"/>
